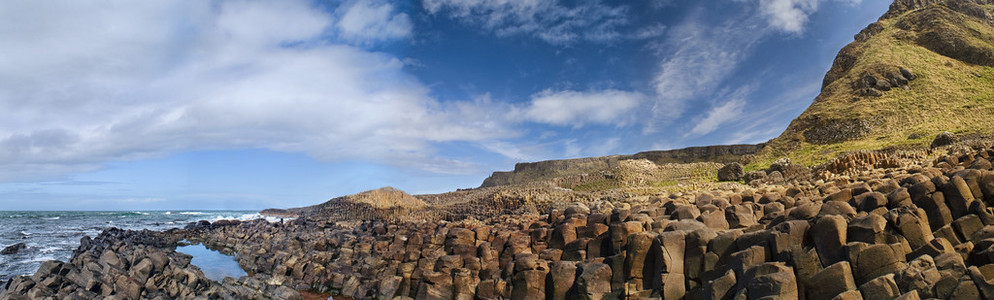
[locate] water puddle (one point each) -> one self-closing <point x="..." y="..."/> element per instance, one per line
<point x="215" y="265"/>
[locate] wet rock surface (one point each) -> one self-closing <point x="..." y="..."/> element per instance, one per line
<point x="13" y="249"/>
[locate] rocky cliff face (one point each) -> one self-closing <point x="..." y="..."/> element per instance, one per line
<point x="923" y="68"/>
<point x="545" y="170"/>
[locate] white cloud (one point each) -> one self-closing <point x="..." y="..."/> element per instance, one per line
<point x="791" y="15"/>
<point x="365" y="21"/>
<point x="701" y="57"/>
<point x="788" y="15"/>
<point x="651" y="31"/>
<point x="719" y="115"/>
<point x="81" y="85"/>
<point x="547" y="20"/>
<point x="581" y="108"/>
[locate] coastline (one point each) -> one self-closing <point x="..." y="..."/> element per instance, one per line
<point x="53" y="235"/>
<point x="805" y="234"/>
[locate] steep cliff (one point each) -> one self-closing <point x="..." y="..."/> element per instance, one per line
<point x="923" y="68"/>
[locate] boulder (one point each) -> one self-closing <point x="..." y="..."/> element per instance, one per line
<point x="641" y="257"/>
<point x="562" y="275"/>
<point x="912" y="223"/>
<point x="562" y="235"/>
<point x="743" y="260"/>
<point x="872" y="261"/>
<point x="731" y="172"/>
<point x="958" y="196"/>
<point x="722" y="287"/>
<point x="529" y="284"/>
<point x="935" y="208"/>
<point x="968" y="225"/>
<point x="594" y="281"/>
<point x="674" y="286"/>
<point x="868" y="228"/>
<point x="780" y="284"/>
<point x="920" y="275"/>
<point x="830" y="282"/>
<point x="943" y="139"/>
<point x="672" y="245"/>
<point x="740" y="216"/>
<point x="389" y="287"/>
<point x="883" y="287"/>
<point x="829" y="235"/>
<point x="751" y="176"/>
<point x="714" y="220"/>
<point x="870" y="201"/>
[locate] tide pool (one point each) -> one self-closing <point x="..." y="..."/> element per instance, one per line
<point x="215" y="265"/>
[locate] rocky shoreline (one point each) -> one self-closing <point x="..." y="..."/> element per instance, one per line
<point x="125" y="264"/>
<point x="921" y="230"/>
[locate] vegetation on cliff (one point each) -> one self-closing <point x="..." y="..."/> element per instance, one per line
<point x="924" y="68"/>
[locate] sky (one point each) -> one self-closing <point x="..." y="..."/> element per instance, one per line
<point x="235" y="104"/>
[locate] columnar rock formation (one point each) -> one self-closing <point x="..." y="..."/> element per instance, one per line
<point x="922" y="230"/>
<point x="902" y="224"/>
<point x="120" y="264"/>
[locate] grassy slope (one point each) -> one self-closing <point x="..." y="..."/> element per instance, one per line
<point x="948" y="95"/>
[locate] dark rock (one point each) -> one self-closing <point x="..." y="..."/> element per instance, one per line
<point x="872" y="261"/>
<point x="753" y="175"/>
<point x="868" y="229"/>
<point x="731" y="172"/>
<point x="13" y="249"/>
<point x="594" y="281"/>
<point x="958" y="196"/>
<point x="883" y="287"/>
<point x="722" y="287"/>
<point x="773" y="280"/>
<point x="921" y="275"/>
<point x="829" y="235"/>
<point x="830" y="282"/>
<point x="943" y="139"/>
<point x="561" y="279"/>
<point x="529" y="284"/>
<point x="907" y="74"/>
<point x="871" y="201"/>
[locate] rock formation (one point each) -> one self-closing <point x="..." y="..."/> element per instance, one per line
<point x="923" y="68"/>
<point x="898" y="223"/>
<point x="546" y="170"/>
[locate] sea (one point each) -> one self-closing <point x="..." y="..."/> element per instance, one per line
<point x="53" y="235"/>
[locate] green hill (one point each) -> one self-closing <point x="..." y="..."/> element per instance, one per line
<point x="926" y="66"/>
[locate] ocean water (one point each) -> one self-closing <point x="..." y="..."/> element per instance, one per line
<point x="55" y="234"/>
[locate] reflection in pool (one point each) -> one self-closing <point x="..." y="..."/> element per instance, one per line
<point x="215" y="265"/>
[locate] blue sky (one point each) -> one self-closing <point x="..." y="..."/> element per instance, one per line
<point x="233" y="104"/>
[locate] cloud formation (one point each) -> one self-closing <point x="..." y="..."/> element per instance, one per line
<point x="699" y="58"/>
<point x="578" y="109"/>
<point x="791" y="15"/>
<point x="700" y="54"/>
<point x="719" y="115"/>
<point x="366" y="21"/>
<point x="83" y="84"/>
<point x="787" y="15"/>
<point x="548" y="20"/>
